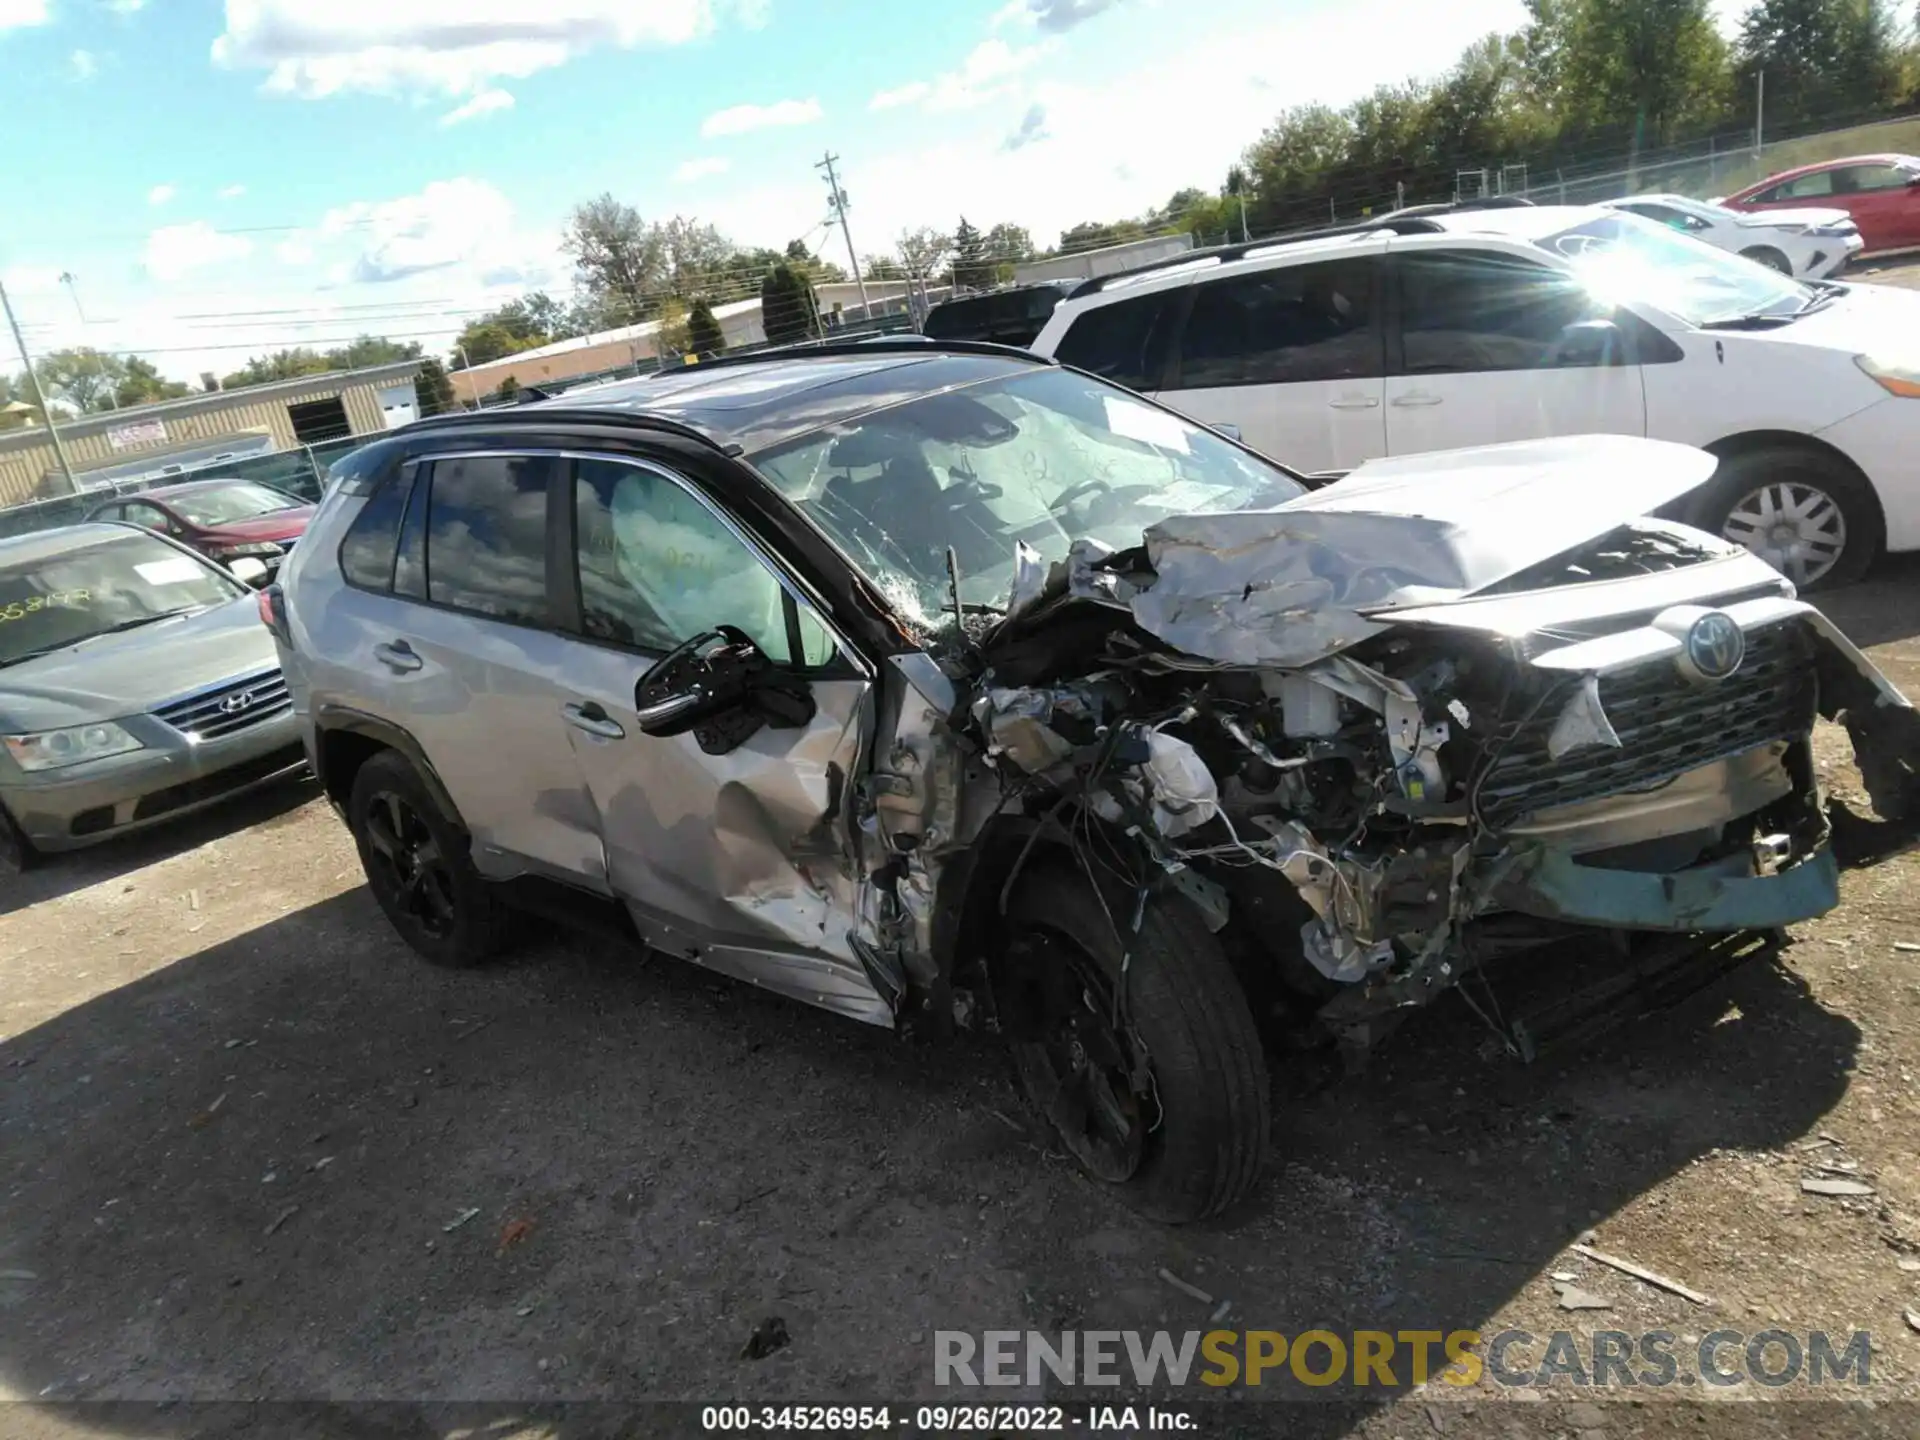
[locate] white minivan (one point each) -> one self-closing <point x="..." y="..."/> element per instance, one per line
<point x="1435" y="331"/>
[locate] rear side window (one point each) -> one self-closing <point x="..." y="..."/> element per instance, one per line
<point x="1277" y="327"/>
<point x="366" y="554"/>
<point x="1465" y="312"/>
<point x="1121" y="342"/>
<point x="1856" y="179"/>
<point x="487" y="536"/>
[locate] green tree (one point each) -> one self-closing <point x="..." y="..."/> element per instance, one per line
<point x="142" y="385"/>
<point x="433" y="389"/>
<point x="82" y="379"/>
<point x="369" y="350"/>
<point x="507" y="389"/>
<point x="789" y="310"/>
<point x="1825" y="60"/>
<point x="281" y="365"/>
<point x="620" y="260"/>
<point x="924" y="251"/>
<point x="704" y="336"/>
<point x="972" y="270"/>
<point x="486" y="340"/>
<point x="1653" y="67"/>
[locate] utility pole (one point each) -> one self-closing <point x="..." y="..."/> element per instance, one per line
<point x="838" y="199"/>
<point x="46" y="410"/>
<point x="73" y="289"/>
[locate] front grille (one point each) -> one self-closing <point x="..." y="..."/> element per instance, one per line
<point x="1667" y="726"/>
<point x="231" y="706"/>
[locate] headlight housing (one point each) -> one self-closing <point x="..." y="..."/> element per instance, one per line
<point x="1834" y="230"/>
<point x="53" y="749"/>
<point x="261" y="548"/>
<point x="1901" y="379"/>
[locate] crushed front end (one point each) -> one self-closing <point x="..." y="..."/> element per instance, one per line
<point x="1371" y="801"/>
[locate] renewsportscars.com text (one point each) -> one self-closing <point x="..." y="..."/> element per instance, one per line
<point x="1607" y="1359"/>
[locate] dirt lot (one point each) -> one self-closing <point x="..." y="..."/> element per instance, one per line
<point x="251" y="1149"/>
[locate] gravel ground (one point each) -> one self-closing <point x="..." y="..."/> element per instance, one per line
<point x="251" y="1149"/>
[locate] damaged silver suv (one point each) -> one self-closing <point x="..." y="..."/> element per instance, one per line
<point x="951" y="689"/>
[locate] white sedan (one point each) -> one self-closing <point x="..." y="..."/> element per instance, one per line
<point x="1810" y="244"/>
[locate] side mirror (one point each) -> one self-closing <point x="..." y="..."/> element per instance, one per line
<point x="249" y="572"/>
<point x="1591" y="342"/>
<point x="722" y="687"/>
<point x="1228" y="429"/>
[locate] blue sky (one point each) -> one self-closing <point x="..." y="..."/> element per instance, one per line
<point x="221" y="179"/>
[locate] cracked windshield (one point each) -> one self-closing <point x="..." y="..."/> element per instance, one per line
<point x="1041" y="459"/>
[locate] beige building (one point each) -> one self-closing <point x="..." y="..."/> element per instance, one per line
<point x="175" y="436"/>
<point x="639" y="344"/>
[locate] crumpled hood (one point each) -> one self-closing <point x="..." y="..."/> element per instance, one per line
<point x="130" y="673"/>
<point x="1292" y="585"/>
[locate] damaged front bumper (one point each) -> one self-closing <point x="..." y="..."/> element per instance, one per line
<point x="1721" y="895"/>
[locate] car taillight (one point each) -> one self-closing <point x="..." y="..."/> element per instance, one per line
<point x="273" y="610"/>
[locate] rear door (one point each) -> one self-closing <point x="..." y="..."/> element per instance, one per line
<point x="459" y="648"/>
<point x="738" y="860"/>
<point x="1293" y="355"/>
<point x="1487" y="347"/>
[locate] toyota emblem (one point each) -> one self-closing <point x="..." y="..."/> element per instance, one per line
<point x="243" y="700"/>
<point x="1715" y="645"/>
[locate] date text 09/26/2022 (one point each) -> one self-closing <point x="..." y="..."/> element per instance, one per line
<point x="946" y="1419"/>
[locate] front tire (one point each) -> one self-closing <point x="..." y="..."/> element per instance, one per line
<point x="418" y="868"/>
<point x="1171" y="1106"/>
<point x="1771" y="258"/>
<point x="1806" y="515"/>
<point x="16" y="851"/>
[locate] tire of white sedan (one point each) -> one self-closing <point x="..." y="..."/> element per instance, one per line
<point x="1811" y="518"/>
<point x="1771" y="258"/>
<point x="418" y="868"/>
<point x="1170" y="1106"/>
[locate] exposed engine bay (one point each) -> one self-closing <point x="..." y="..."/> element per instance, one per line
<point x="1370" y="802"/>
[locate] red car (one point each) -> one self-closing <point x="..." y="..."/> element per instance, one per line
<point x="222" y="519"/>
<point x="1881" y="192"/>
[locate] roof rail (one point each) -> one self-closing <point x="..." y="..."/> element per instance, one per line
<point x="907" y="344"/>
<point x="1401" y="222"/>
<point x="1458" y="207"/>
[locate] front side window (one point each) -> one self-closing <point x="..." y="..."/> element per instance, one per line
<point x="1467" y="312"/>
<point x="1276" y="327"/>
<point x="1121" y="342"/>
<point x="487" y="536"/>
<point x="1820" y="182"/>
<point x="151" y="516"/>
<point x="66" y="593"/>
<point x="1042" y="457"/>
<point x="658" y="567"/>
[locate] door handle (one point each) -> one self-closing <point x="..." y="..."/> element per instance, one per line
<point x="398" y="656"/>
<point x="1415" y="400"/>
<point x="591" y="719"/>
<point x="1354" y="402"/>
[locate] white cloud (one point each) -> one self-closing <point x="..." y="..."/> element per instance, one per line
<point x="177" y="250"/>
<point x="1052" y="16"/>
<point x="691" y="170"/>
<point x="905" y="95"/>
<point x="485" y="103"/>
<point x="988" y="73"/>
<point x="31" y="280"/>
<point x="295" y="250"/>
<point x="126" y="7"/>
<point x="18" y="14"/>
<point x="449" y="223"/>
<point x="742" y="119"/>
<point x="232" y="192"/>
<point x="436" y="48"/>
<point x="160" y="194"/>
<point x="85" y="64"/>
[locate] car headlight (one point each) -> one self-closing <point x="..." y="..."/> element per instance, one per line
<point x="51" y="749"/>
<point x="257" y="547"/>
<point x="1894" y="378"/>
<point x="1834" y="231"/>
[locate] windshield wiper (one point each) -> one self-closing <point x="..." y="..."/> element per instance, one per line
<point x="137" y="622"/>
<point x="1765" y="319"/>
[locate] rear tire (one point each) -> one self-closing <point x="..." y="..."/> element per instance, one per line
<point x="1802" y="512"/>
<point x="1197" y="1133"/>
<point x="1771" y="258"/>
<point x="418" y="867"/>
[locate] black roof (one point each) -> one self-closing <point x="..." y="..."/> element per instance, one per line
<point x="758" y="401"/>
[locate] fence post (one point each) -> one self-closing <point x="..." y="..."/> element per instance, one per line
<point x="319" y="480"/>
<point x="1560" y="176"/>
